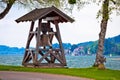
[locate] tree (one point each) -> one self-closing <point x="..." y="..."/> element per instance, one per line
<point x="6" y="5"/>
<point x="105" y="16"/>
<point x="9" y="4"/>
<point x="108" y="6"/>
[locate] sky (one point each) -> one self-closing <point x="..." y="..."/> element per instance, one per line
<point x="85" y="28"/>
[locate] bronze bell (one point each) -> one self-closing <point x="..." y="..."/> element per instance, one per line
<point x="45" y="41"/>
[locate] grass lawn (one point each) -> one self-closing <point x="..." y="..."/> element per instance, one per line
<point x="92" y="73"/>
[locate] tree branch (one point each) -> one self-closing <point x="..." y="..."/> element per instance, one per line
<point x="7" y="9"/>
<point x="113" y="1"/>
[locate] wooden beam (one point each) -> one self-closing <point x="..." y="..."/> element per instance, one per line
<point x="45" y="58"/>
<point x="32" y="55"/>
<point x="27" y="56"/>
<point x="31" y="29"/>
<point x="38" y="41"/>
<point x="30" y="37"/>
<point x="60" y="41"/>
<point x="52" y="58"/>
<point x="28" y="41"/>
<point x="58" y="58"/>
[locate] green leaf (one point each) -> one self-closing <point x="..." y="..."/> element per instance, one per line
<point x="72" y="1"/>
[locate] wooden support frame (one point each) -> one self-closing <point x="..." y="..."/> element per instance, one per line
<point x="28" y="42"/>
<point x="44" y="35"/>
<point x="35" y="57"/>
<point x="60" y="41"/>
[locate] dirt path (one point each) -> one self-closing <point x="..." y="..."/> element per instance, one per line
<point x="7" y="75"/>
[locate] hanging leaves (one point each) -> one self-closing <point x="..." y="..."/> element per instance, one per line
<point x="71" y="1"/>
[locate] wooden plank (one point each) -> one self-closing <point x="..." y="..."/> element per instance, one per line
<point x="28" y="42"/>
<point x="58" y="58"/>
<point x="52" y="59"/>
<point x="30" y="37"/>
<point x="32" y="55"/>
<point x="27" y="56"/>
<point x="45" y="65"/>
<point x="43" y="57"/>
<point x="60" y="41"/>
<point x="38" y="40"/>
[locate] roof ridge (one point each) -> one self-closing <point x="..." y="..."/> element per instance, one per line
<point x="44" y="12"/>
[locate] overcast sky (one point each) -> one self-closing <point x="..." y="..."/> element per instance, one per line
<point x="85" y="28"/>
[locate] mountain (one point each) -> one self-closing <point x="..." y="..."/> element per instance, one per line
<point x="111" y="46"/>
<point x="11" y="50"/>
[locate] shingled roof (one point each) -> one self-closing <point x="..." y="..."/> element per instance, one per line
<point x="42" y="13"/>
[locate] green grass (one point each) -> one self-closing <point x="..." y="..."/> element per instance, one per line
<point x="92" y="73"/>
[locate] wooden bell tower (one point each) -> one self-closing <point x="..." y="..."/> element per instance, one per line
<point x="44" y="55"/>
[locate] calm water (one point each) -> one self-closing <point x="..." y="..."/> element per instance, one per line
<point x="72" y="61"/>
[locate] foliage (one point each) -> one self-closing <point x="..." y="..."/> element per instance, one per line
<point x="114" y="6"/>
<point x="72" y="1"/>
<point x="92" y="73"/>
<point x="66" y="5"/>
<point x="112" y="45"/>
<point x="6" y="5"/>
<point x="32" y="4"/>
<point x="73" y="47"/>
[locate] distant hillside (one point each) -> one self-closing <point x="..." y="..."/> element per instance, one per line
<point x="10" y="50"/>
<point x="112" y="46"/>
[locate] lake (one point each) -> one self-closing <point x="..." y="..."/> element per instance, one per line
<point x="112" y="62"/>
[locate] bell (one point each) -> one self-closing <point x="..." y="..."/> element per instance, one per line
<point x="45" y="41"/>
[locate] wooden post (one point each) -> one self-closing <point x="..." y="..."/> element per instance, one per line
<point x="28" y="42"/>
<point x="37" y="42"/>
<point x="60" y="41"/>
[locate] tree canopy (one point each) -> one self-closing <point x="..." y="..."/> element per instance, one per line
<point x="5" y="5"/>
